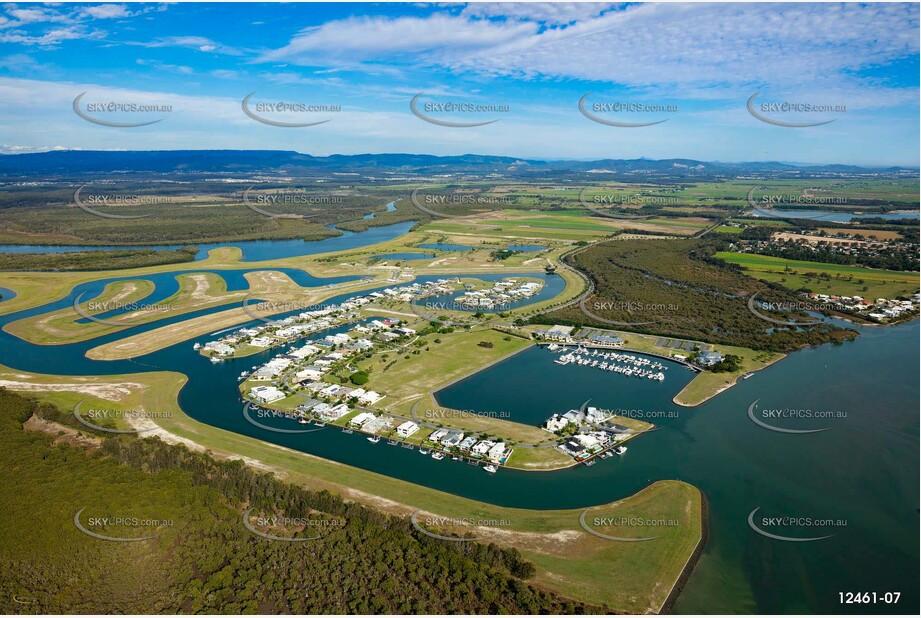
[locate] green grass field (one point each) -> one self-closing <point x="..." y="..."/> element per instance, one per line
<point x="842" y="279"/>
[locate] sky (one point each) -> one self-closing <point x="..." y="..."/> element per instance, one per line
<point x="514" y="74"/>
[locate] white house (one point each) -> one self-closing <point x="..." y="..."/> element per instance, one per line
<point x="266" y="394"/>
<point x="338" y="412"/>
<point x="407" y="429"/>
<point x="482" y="448"/>
<point x="370" y="397"/>
<point x="361" y="419"/>
<point x="498" y="452"/>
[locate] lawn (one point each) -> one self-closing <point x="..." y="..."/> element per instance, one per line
<point x="841" y="279"/>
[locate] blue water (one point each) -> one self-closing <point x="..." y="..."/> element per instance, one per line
<point x="864" y="470"/>
<point x="390" y="208"/>
<point x="526" y="248"/>
<point x="167" y="284"/>
<point x="404" y="256"/>
<point x="445" y="246"/>
<point x="827" y="215"/>
<point x="6" y="294"/>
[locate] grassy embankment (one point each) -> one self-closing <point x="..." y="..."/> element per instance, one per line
<point x="196" y="291"/>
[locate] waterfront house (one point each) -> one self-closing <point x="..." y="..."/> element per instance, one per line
<point x="337" y="412"/>
<point x="361" y="419"/>
<point x="467" y="443"/>
<point x="452" y="437"/>
<point x="482" y="448"/>
<point x="306" y="406"/>
<point x="707" y="359"/>
<point x="262" y="374"/>
<point x="595" y="415"/>
<point x="556" y="333"/>
<point x="407" y="429"/>
<point x="305" y="351"/>
<point x="607" y="340"/>
<point x="572" y="448"/>
<point x="266" y="394"/>
<point x="437" y="435"/>
<point x="378" y="424"/>
<point x="498" y="453"/>
<point x="556" y="423"/>
<point x="219" y="348"/>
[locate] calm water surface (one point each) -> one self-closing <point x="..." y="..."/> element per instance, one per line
<point x="864" y="470"/>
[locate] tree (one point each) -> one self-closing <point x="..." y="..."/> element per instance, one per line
<point x="359" y="377"/>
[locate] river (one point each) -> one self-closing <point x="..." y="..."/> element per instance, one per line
<point x="863" y="470"/>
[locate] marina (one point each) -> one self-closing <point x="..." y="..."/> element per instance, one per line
<point x="624" y="364"/>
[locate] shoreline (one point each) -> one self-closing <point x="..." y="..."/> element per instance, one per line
<point x="685" y="576"/>
<point x="726" y="387"/>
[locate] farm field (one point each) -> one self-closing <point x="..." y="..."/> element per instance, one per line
<point x="841" y="279"/>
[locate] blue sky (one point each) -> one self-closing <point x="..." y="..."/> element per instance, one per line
<point x="529" y="64"/>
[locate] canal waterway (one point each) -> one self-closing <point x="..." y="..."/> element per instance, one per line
<point x="863" y="470"/>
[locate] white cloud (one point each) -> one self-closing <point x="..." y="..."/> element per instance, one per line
<point x="19" y="62"/>
<point x="31" y="16"/>
<point x="368" y="38"/>
<point x="107" y="11"/>
<point x="651" y="45"/>
<point x="199" y="43"/>
<point x="51" y="37"/>
<point x="551" y="13"/>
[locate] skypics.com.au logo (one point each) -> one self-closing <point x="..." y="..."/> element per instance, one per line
<point x="291" y="529"/>
<point x="621" y="110"/>
<point x="272" y="113"/>
<point x="445" y="113"/>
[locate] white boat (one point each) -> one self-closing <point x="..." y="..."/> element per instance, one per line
<point x="620" y="450"/>
<point x="374" y="439"/>
<point x="424" y="451"/>
<point x="491" y="468"/>
<point x="197" y="346"/>
<point x="302" y="421"/>
<point x="438" y="456"/>
<point x="215" y="359"/>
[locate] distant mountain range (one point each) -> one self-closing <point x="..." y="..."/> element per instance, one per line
<point x="68" y="162"/>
